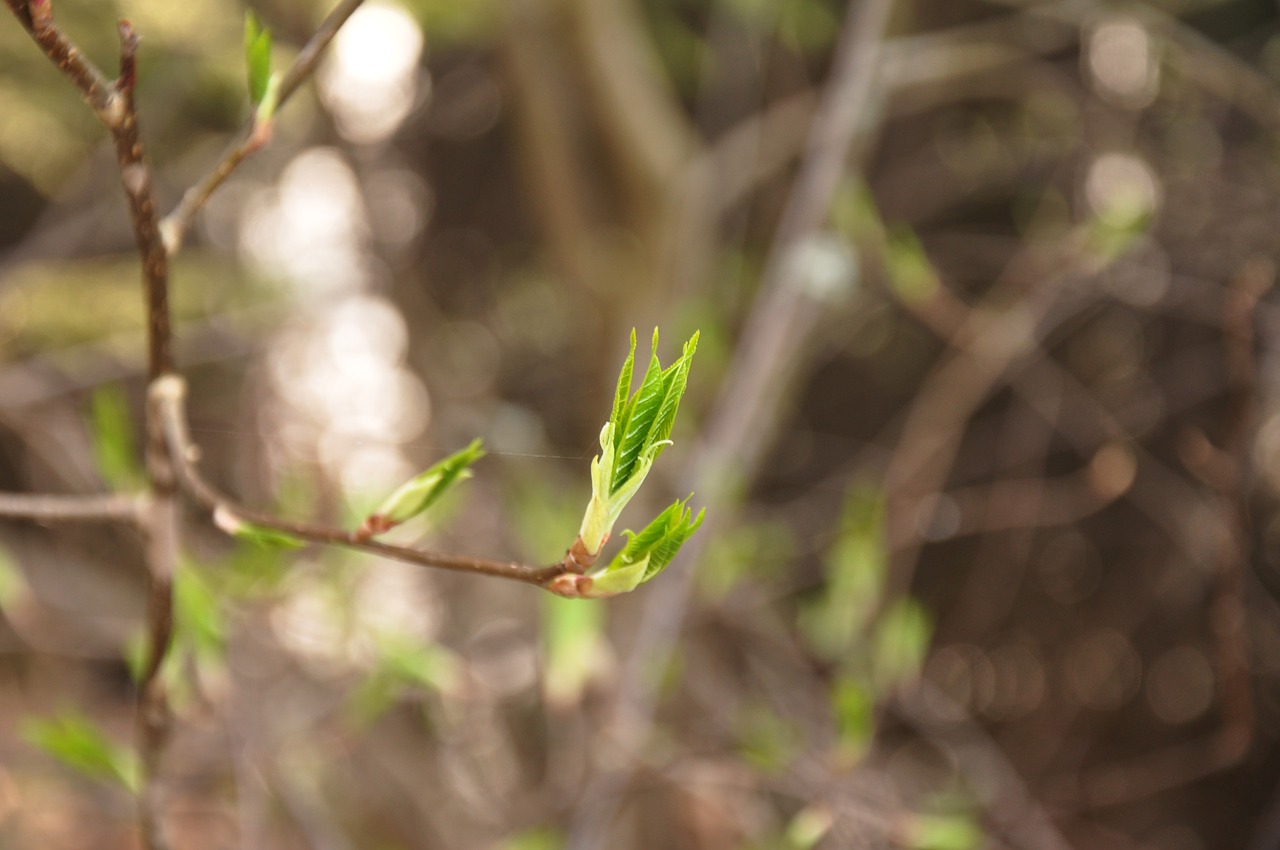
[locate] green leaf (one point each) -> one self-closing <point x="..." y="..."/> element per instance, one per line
<point x="900" y="642"/>
<point x="637" y="418"/>
<point x="114" y="448"/>
<point x="855" y="715"/>
<point x="421" y="492"/>
<point x="651" y="414"/>
<point x="809" y="826"/>
<point x="243" y="529"/>
<point x="257" y="57"/>
<point x="648" y="552"/>
<point x="540" y="838"/>
<point x="575" y="648"/>
<point x="943" y="832"/>
<point x="198" y="615"/>
<point x="77" y="743"/>
<point x="624" y="384"/>
<point x="635" y="434"/>
<point x="856" y="565"/>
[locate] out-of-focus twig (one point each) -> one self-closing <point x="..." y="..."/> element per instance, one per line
<point x="749" y="407"/>
<point x="109" y="507"/>
<point x="178" y="222"/>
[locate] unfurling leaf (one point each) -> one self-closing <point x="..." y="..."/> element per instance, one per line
<point x="637" y="431"/>
<point x="237" y="526"/>
<point x="257" y="57"/>
<point x="647" y="553"/>
<point x="422" y="491"/>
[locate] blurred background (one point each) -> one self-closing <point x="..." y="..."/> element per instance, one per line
<point x="985" y="417"/>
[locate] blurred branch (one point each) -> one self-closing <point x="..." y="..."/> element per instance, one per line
<point x="110" y="507"/>
<point x="168" y="396"/>
<point x="253" y="137"/>
<point x="37" y="17"/>
<point x="749" y="408"/>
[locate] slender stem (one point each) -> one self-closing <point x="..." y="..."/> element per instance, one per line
<point x="252" y="138"/>
<point x="36" y="16"/>
<point x="135" y="175"/>
<point x="168" y="395"/>
<point x="110" y="507"/>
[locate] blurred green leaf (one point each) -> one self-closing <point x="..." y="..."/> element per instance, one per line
<point x="78" y="743"/>
<point x="767" y="740"/>
<point x="900" y="643"/>
<point x="575" y="645"/>
<point x="854" y="709"/>
<point x="423" y="490"/>
<point x="539" y="838"/>
<point x="856" y="564"/>
<point x="198" y="615"/>
<point x="257" y="57"/>
<point x="911" y="274"/>
<point x="809" y="826"/>
<point x="760" y="548"/>
<point x="114" y="449"/>
<point x="404" y="665"/>
<point x="943" y="832"/>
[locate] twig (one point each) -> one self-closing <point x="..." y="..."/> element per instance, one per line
<point x="178" y="222"/>
<point x="168" y="395"/>
<point x="109" y="507"/>
<point x="37" y="17"/>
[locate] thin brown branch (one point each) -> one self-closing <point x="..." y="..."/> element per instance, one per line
<point x="252" y="138"/>
<point x="36" y="16"/>
<point x="109" y="507"/>
<point x="135" y="175"/>
<point x="168" y="395"/>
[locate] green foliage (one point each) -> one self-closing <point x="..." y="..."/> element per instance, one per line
<point x="404" y="665"/>
<point x="648" y="552"/>
<point x="539" y="838"/>
<point x="856" y="564"/>
<point x="198" y="616"/>
<point x="78" y="743"/>
<point x="767" y="739"/>
<point x="636" y="433"/>
<point x="424" y="490"/>
<point x="910" y="272"/>
<point x="853" y="706"/>
<point x="808" y="827"/>
<point x="759" y="548"/>
<point x="257" y="58"/>
<point x="114" y="448"/>
<point x="574" y="647"/>
<point x="899" y="644"/>
<point x="943" y="832"/>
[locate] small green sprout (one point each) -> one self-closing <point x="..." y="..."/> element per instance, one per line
<point x="422" y="491"/>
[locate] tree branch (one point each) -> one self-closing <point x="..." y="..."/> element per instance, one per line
<point x="168" y="396"/>
<point x="109" y="507"/>
<point x="252" y="138"/>
<point x="36" y="16"/>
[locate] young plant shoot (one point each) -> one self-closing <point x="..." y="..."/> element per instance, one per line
<point x="636" y="433"/>
<point x="421" y="492"/>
